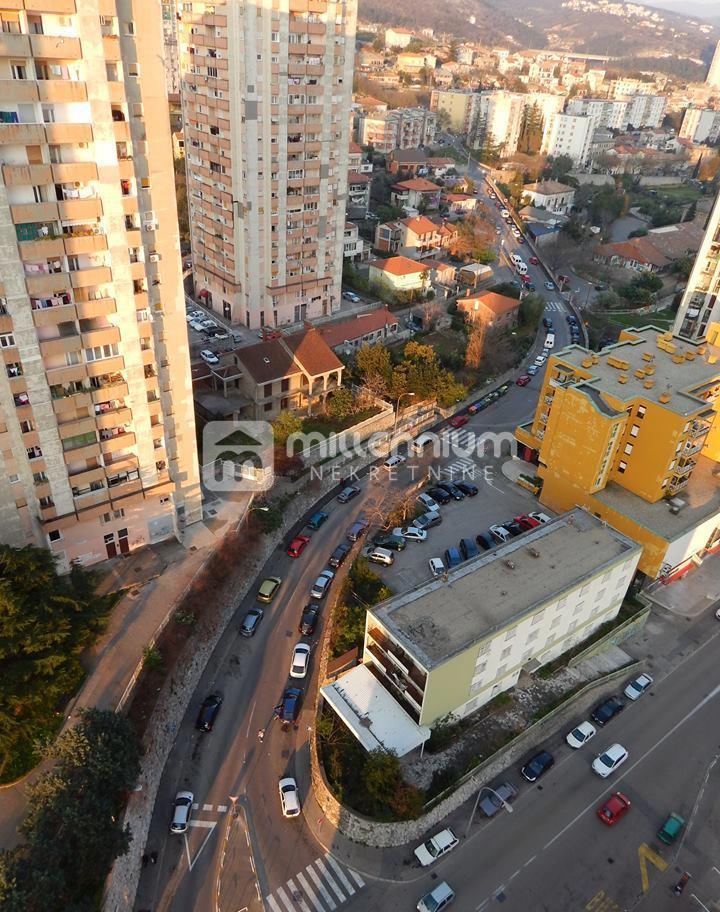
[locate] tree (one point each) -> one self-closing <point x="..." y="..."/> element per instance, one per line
<point x="531" y="131"/>
<point x="46" y="620"/>
<point x="558" y="168"/>
<point x="73" y="830"/>
<point x="381" y="775"/>
<point x="476" y="345"/>
<point x="340" y="404"/>
<point x="286" y="423"/>
<point x="374" y="365"/>
<point x="531" y="309"/>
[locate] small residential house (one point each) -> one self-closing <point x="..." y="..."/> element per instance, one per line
<point x="363" y="329"/>
<point x="354" y="248"/>
<point x="417" y="193"/>
<point x="399" y="274"/>
<point x="439" y="165"/>
<point x="459" y="203"/>
<point x="357" y="162"/>
<point x="398" y="37"/>
<point x="288" y="372"/>
<point x="442" y="273"/>
<point x="413" y="237"/>
<point x="494" y="310"/>
<point x="550" y="195"/>
<point x="414" y="64"/>
<point x="638" y="254"/>
<point x="358" y="198"/>
<point x="407" y="162"/>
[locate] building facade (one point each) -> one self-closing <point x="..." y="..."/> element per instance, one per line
<point x="498" y="118"/>
<point x="98" y="446"/>
<point x="460" y="106"/>
<point x="265" y="101"/>
<point x="700" y="304"/>
<point x="632" y="434"/>
<point x="700" y="125"/>
<point x="403" y="128"/>
<point x="571" y="135"/>
<point x="170" y="45"/>
<point x="713" y="76"/>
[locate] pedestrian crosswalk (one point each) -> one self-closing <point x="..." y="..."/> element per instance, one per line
<point x="460" y="470"/>
<point x="458" y="441"/>
<point x="555" y="305"/>
<point x="322" y="886"/>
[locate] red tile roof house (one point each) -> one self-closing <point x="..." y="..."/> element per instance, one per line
<point x="363" y="329"/>
<point x="416" y="192"/>
<point x="494" y="310"/>
<point x="398" y="273"/>
<point x="358" y="199"/>
<point x="407" y="161"/>
<point x="637" y="253"/>
<point x="459" y="203"/>
<point x="288" y="372"/>
<point x="442" y="273"/>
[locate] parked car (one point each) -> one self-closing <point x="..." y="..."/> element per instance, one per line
<point x="300" y="660"/>
<point x="669" y="831"/>
<point x="526" y="521"/>
<point x="251" y="622"/>
<point x="614" y="808"/>
<point x="357" y="530"/>
<point x="351" y="296"/>
<point x="308" y="620"/>
<point x="537" y="766"/>
<point x="394" y="460"/>
<point x="533" y="261"/>
<point x="208" y="712"/>
<point x="540" y="360"/>
<point x="607" y="762"/>
<point x="478" y="406"/>
<point x="532" y="370"/>
<point x="288" y="709"/>
<point x="439" y="494"/>
<point x="339" y="554"/>
<point x="209" y="357"/>
<point x="298" y="545"/>
<point x="197" y="326"/>
<point x="427" y="521"/>
<point x="437" y="899"/>
<point x="637" y="688"/>
<point x="437" y="567"/>
<point x="540" y="517"/>
<point x="429" y="503"/>
<point x="388" y="540"/>
<point x="411" y="533"/>
<point x="607" y="710"/>
<point x="348" y="493"/>
<point x="514" y="528"/>
<point x="493" y="801"/>
<point x="289" y="797"/>
<point x="321" y="586"/>
<point x="550" y="286"/>
<point x="451" y="489"/>
<point x="468" y="548"/>
<point x="452" y="558"/>
<point x="316" y="520"/>
<point x="268" y="589"/>
<point x="182" y="810"/>
<point x="580" y="735"/>
<point x="500" y="534"/>
<point x="547" y="322"/>
<point x="458" y="421"/>
<point x="435" y="847"/>
<point x="523" y="380"/>
<point x="381" y="556"/>
<point x="485" y="540"/>
<point x="468" y="489"/>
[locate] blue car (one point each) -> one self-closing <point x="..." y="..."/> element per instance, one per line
<point x="452" y="558"/>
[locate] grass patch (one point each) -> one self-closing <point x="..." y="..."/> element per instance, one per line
<point x="662" y="318"/>
<point x="325" y="425"/>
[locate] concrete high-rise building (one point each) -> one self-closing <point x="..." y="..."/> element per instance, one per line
<point x="571" y="135"/>
<point x="700" y="304"/>
<point x="713" y="76"/>
<point x="497" y="119"/>
<point x="403" y="128"/>
<point x="266" y="91"/>
<point x="700" y="125"/>
<point x="97" y="432"/>
<point x="170" y="42"/>
<point x="459" y="106"/>
<point x="610" y="113"/>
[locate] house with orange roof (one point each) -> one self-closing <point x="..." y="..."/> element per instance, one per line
<point x="417" y="193"/>
<point x="491" y="309"/>
<point x="356" y="160"/>
<point x="414" y="237"/>
<point x="362" y="329"/>
<point x="358" y="194"/>
<point x="459" y="203"/>
<point x="399" y="274"/>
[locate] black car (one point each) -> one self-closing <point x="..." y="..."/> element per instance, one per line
<point x="348" y="493"/>
<point x="547" y="323"/>
<point x="339" y="554"/>
<point x="452" y="489"/>
<point x="468" y="548"/>
<point x="514" y="528"/>
<point x="468" y="489"/>
<point x="289" y="709"/>
<point x="208" y="712"/>
<point x="251" y="622"/>
<point x="309" y="619"/>
<point x="387" y="540"/>
<point x="572" y="320"/>
<point x="485" y="540"/>
<point x="537" y="766"/>
<point x="606" y="711"/>
<point x="439" y="494"/>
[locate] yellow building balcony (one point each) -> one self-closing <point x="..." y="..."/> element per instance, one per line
<point x="127" y="463"/>
<point x="118" y="442"/>
<point x="61" y="90"/>
<point x="89" y="451"/>
<point x="699" y="428"/>
<point x="33" y="212"/>
<point x="91" y="275"/>
<point x="54" y="47"/>
<point x="76" y="427"/>
<point x="52" y="316"/>
<point x="80" y="209"/>
<point x="108" y="335"/>
<point x="98" y="307"/>
<point x="89" y="243"/>
<point x="105" y="366"/>
<point x="17" y="134"/>
<point x="116" y="388"/>
<point x="684" y="468"/>
<point x="18" y="89"/>
<point x="70" y="403"/>
<point x="14" y="45"/>
<point x="125" y="489"/>
<point x="121" y="131"/>
<point x="72" y="133"/>
<point x="60" y="346"/>
<point x="62" y="376"/>
<point x="83" y="172"/>
<point x="111" y="47"/>
<point x="113" y="418"/>
<point x="43" y="284"/>
<point x="41" y="249"/>
<point x="86" y="477"/>
<point x="62" y="7"/>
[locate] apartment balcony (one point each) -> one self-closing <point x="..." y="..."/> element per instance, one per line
<point x="118" y="442"/>
<point x="684" y="468"/>
<point x="127" y="463"/>
<point x="76" y="427"/>
<point x="80" y="209"/>
<point x="108" y="335"/>
<point x="91" y="275"/>
<point x="71" y="133"/>
<point x="22" y="90"/>
<point x="121" y="131"/>
<point x="70" y="403"/>
<point x="89" y="243"/>
<point x="677" y="484"/>
<point x="34" y="212"/>
<point x="52" y="316"/>
<point x="17" y="134"/>
<point x="114" y="386"/>
<point x="113" y="417"/>
<point x="14" y="45"/>
<point x="61" y="90"/>
<point x="54" y="47"/>
<point x="699" y="429"/>
<point x="64" y="376"/>
<point x="68" y="172"/>
<point x="60" y="346"/>
<point x="41" y="249"/>
<point x="43" y="284"/>
<point x="98" y="307"/>
<point x="111" y="47"/>
<point x="62" y="7"/>
<point x="86" y="477"/>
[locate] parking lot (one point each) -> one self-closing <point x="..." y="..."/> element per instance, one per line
<point x="497" y="500"/>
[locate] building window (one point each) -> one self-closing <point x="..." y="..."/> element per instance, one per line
<point x="506" y="652"/>
<point x="7" y="340"/>
<point x="133" y="69"/>
<point x="267" y="406"/>
<point x="622" y="466"/>
<point x="13" y="479"/>
<point x="511" y="633"/>
<point x="628" y="449"/>
<point x="635" y="430"/>
<point x="641" y="411"/>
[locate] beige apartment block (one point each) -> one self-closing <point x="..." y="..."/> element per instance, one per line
<point x="266" y="91"/>
<point x="97" y="432"/>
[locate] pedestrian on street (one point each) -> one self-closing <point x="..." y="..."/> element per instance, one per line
<point x="145" y="859"/>
<point x="153" y="857"/>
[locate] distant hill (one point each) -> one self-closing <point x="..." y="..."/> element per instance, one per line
<point x="585" y="26"/>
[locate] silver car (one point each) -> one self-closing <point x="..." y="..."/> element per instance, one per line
<point x="182" y="809"/>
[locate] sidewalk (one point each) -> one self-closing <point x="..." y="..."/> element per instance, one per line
<point x="693" y="594"/>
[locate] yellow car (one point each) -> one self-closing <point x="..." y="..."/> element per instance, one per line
<point x="268" y="589"/>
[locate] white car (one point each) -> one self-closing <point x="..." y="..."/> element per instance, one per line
<point x="500" y="534"/>
<point x="209" y="357"/>
<point x="322" y="584"/>
<point x="300" y="661"/>
<point x="437" y="846"/>
<point x="182" y="809"/>
<point x="505" y="213"/>
<point x="532" y="370"/>
<point x="189" y="317"/>
<point x="580" y="736"/>
<point x="289" y="797"/>
<point x="437" y="567"/>
<point x="540" y="517"/>
<point x="540" y="360"/>
<point x="196" y="325"/>
<point x="610" y="760"/>
<point x="550" y="286"/>
<point x="410" y="533"/>
<point x="351" y="296"/>
<point x="394" y="460"/>
<point x="637" y="688"/>
<point x="209" y="324"/>
<point x="431" y="505"/>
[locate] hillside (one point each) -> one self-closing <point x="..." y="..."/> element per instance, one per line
<point x="587" y="26"/>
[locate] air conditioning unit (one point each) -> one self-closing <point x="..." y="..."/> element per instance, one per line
<point x="154" y="257"/>
<point x="150" y="226"/>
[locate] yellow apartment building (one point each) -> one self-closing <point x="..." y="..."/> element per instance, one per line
<point x="632" y="433"/>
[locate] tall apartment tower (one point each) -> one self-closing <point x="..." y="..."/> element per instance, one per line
<point x="700" y="304"/>
<point x="97" y="438"/>
<point x="713" y="76"/>
<point x="266" y="91"/>
<point x="170" y="42"/>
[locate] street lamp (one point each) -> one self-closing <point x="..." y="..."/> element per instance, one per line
<point x="397" y="409"/>
<point x="486" y="788"/>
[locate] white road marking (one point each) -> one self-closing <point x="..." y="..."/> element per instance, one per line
<point x="222" y="808"/>
<point x="208" y="807"/>
<point x="274" y="907"/>
<point x="286" y="902"/>
<point x="297" y="896"/>
<point x="341" y="877"/>
<point x="195" y="806"/>
<point x="310" y="892"/>
<point x="208" y="825"/>
<point x="252" y="710"/>
<point x="702" y="905"/>
<point x="357" y="878"/>
<point x="329" y="901"/>
<point x="330" y="879"/>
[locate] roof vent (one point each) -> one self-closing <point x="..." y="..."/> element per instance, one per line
<point x="533" y="552"/>
<point x="678" y="358"/>
<point x="676" y="505"/>
<point x="623" y="378"/>
<point x="266" y="360"/>
<point x="510" y="564"/>
<point x="619" y="363"/>
<point x="639" y="373"/>
<point x="648" y="384"/>
<point x="587" y="362"/>
<point x="649" y="370"/>
<point x="689" y="356"/>
<point x="647" y="356"/>
<point x="664" y="397"/>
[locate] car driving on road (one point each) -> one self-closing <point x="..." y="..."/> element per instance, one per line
<point x="435" y="847"/>
<point x="298" y="545"/>
<point x="607" y="762"/>
<point x="348" y="493"/>
<point x="614" y="808"/>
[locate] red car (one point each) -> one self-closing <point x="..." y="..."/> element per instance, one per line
<point x="298" y="545"/>
<point x="523" y="380"/>
<point x="534" y="260"/>
<point x="614" y="808"/>
<point x="527" y="522"/>
<point x="458" y="421"/>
